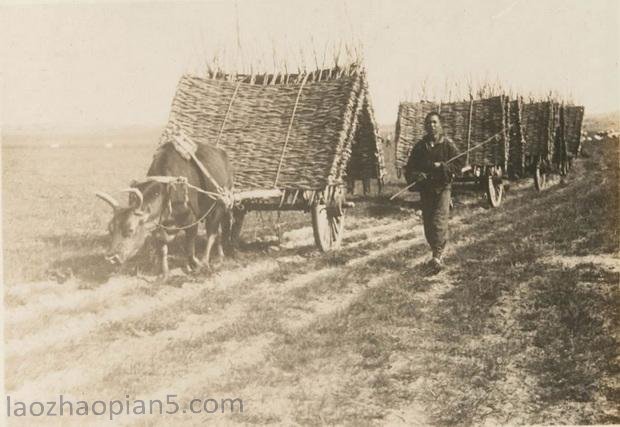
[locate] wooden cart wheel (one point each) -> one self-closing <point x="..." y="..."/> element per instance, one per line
<point x="328" y="227"/>
<point x="540" y="179"/>
<point x="495" y="191"/>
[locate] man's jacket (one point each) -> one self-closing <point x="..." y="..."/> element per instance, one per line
<point x="421" y="161"/>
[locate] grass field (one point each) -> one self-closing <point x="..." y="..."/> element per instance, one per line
<point x="521" y="327"/>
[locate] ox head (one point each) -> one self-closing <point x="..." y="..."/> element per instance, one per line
<point x="130" y="226"/>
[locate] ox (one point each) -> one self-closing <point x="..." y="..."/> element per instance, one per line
<point x="161" y="208"/>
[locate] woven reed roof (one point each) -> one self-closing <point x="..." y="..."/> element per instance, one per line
<point x="284" y="131"/>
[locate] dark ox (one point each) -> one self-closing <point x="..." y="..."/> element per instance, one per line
<point x="161" y="209"/>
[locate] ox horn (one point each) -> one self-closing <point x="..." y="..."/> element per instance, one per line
<point x="138" y="194"/>
<point x="107" y="198"/>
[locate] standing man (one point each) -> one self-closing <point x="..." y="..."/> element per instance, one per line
<point x="428" y="165"/>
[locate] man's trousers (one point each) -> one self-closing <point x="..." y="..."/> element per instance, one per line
<point x="435" y="214"/>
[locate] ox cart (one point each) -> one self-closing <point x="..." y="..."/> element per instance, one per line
<point x="480" y="130"/>
<point x="551" y="139"/>
<point x="292" y="139"/>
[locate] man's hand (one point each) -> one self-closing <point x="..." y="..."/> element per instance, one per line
<point x="420" y="176"/>
<point x="442" y="172"/>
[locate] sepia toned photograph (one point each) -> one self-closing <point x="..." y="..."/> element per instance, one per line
<point x="294" y="213"/>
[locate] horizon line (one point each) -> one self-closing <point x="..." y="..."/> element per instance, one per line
<point x="34" y="129"/>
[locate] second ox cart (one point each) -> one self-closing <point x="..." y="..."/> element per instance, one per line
<point x="480" y="130"/>
<point x="500" y="138"/>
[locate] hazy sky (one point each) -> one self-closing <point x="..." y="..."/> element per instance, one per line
<point x="116" y="64"/>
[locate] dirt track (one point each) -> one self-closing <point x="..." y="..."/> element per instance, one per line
<point x="74" y="330"/>
<point x="359" y="336"/>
